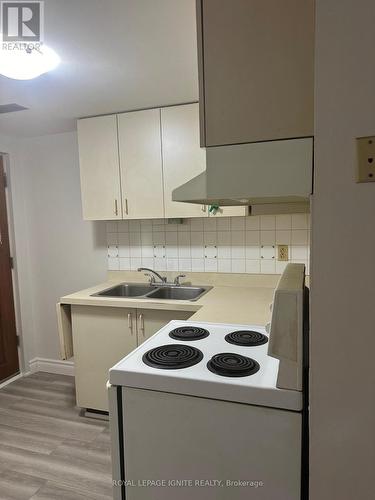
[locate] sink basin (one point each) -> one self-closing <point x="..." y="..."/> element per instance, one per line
<point x="126" y="290"/>
<point x="177" y="293"/>
<point x="166" y="292"/>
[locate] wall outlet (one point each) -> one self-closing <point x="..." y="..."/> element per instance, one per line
<point x="282" y="252"/>
<point x="366" y="159"/>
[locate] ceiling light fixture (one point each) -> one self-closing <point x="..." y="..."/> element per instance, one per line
<point x="27" y="64"/>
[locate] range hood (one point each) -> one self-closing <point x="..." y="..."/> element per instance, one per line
<point x="256" y="173"/>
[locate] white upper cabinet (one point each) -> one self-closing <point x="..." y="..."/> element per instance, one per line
<point x="256" y="70"/>
<point x="141" y="164"/>
<point x="130" y="163"/>
<point x="99" y="167"/>
<point x="183" y="158"/>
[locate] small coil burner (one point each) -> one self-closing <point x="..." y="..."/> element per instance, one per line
<point x="172" y="356"/>
<point x="247" y="338"/>
<point x="189" y="333"/>
<point x="228" y="364"/>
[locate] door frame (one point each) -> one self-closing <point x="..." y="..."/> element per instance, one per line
<point x="16" y="297"/>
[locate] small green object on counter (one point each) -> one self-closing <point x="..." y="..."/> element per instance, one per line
<point x="213" y="209"/>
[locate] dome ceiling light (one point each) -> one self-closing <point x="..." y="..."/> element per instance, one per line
<point x="29" y="63"/>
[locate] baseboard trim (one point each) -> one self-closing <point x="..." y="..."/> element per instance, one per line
<point x="52" y="366"/>
<point x="10" y="380"/>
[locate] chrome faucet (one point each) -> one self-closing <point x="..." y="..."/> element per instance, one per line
<point x="163" y="279"/>
<point x="151" y="273"/>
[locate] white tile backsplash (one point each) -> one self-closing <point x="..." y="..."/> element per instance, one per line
<point x="284" y="221"/>
<point x="224" y="244"/>
<point x="267" y="222"/>
<point x="124" y="263"/>
<point x="267" y="237"/>
<point x="113" y="263"/>
<point x="224" y="265"/>
<point x="196" y="224"/>
<point x="197" y="265"/>
<point x="122" y="226"/>
<point x="223" y="224"/>
<point x="267" y="267"/>
<point x="253" y="266"/>
<point x="300" y="237"/>
<point x="300" y="221"/>
<point x="252" y="223"/>
<point x="197" y="245"/>
<point x="283" y="236"/>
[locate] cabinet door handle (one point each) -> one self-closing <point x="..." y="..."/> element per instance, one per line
<point x="130" y="323"/>
<point x="203" y="207"/>
<point x="142" y="325"/>
<point x="126" y="206"/>
<point x="116" y="207"/>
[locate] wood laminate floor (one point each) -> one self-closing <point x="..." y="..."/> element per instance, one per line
<point x="47" y="450"/>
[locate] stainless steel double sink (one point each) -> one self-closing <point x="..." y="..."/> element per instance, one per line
<point x="155" y="291"/>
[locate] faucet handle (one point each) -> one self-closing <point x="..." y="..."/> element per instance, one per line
<point x="151" y="278"/>
<point x="177" y="279"/>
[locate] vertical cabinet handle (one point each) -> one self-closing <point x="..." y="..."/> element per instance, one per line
<point x="126" y="206"/>
<point x="142" y="325"/>
<point x="116" y="207"/>
<point x="130" y="323"/>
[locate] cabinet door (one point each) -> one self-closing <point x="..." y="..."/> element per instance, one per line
<point x="149" y="321"/>
<point x="102" y="336"/>
<point x="141" y="164"/>
<point x="256" y="70"/>
<point x="99" y="167"/>
<point x="183" y="158"/>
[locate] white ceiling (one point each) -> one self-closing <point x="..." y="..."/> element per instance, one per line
<point x="116" y="55"/>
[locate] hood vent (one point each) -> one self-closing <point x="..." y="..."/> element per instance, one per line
<point x="11" y="108"/>
<point x="246" y="174"/>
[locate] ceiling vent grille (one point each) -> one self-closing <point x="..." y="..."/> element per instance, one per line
<point x="11" y="108"/>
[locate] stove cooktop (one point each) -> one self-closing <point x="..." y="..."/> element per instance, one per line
<point x="178" y="356"/>
<point x="189" y="332"/>
<point x="208" y="365"/>
<point x="246" y="338"/>
<point x="229" y="364"/>
<point x="172" y="356"/>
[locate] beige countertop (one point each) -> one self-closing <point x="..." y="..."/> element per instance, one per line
<point x="237" y="300"/>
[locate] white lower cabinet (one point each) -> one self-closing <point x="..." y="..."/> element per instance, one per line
<point x="149" y="321"/>
<point x="102" y="336"/>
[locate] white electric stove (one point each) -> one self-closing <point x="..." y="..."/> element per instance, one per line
<point x="155" y="373"/>
<point x="213" y="411"/>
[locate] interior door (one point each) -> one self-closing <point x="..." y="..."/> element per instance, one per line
<point x="99" y="167"/>
<point x="8" y="335"/>
<point x="141" y="164"/>
<point x="183" y="158"/>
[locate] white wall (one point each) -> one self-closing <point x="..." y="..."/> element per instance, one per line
<point x="66" y="253"/>
<point x="343" y="257"/>
<point x="56" y="250"/>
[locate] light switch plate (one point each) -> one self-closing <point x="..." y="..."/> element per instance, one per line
<point x="366" y="159"/>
